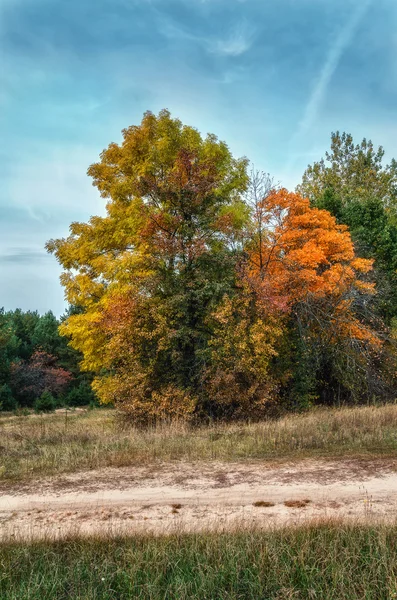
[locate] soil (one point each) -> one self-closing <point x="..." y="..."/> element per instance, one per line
<point x="175" y="497"/>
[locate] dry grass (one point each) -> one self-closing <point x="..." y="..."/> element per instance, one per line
<point x="32" y="445"/>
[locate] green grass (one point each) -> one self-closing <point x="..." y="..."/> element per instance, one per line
<point x="32" y="446"/>
<point x="330" y="561"/>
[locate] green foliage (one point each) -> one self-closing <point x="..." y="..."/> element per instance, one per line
<point x="45" y="403"/>
<point x="8" y="345"/>
<point x="45" y="334"/>
<point x="81" y="395"/>
<point x="23" y="325"/>
<point x="375" y="236"/>
<point x="24" y="335"/>
<point x="7" y="400"/>
<point x="352" y="172"/>
<point x="298" y="361"/>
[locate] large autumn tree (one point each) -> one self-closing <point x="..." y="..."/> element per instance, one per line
<point x="147" y="275"/>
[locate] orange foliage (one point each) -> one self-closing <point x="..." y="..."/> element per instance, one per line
<point x="306" y="257"/>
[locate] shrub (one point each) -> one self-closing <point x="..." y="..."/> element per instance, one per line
<point x="82" y="395"/>
<point x="45" y="403"/>
<point x="7" y="400"/>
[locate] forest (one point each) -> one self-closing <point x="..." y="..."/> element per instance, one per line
<point x="210" y="292"/>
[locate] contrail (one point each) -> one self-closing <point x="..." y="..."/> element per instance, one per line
<point x="334" y="55"/>
<point x="341" y="43"/>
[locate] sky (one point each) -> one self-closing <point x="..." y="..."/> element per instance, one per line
<point x="272" y="78"/>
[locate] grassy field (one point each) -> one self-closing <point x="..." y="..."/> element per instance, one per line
<point x="330" y="561"/>
<point x="35" y="445"/>
<point x="324" y="561"/>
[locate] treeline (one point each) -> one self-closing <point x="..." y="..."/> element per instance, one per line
<point x="208" y="291"/>
<point x="37" y="367"/>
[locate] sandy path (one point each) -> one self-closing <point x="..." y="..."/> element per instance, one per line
<point x="177" y="496"/>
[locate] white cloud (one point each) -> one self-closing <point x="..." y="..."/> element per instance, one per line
<point x="238" y="42"/>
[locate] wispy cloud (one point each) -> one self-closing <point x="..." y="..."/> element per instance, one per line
<point x="23" y="256"/>
<point x="238" y="42"/>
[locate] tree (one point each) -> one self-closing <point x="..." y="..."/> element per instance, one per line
<point x="46" y="403"/>
<point x="304" y="266"/>
<point x="46" y="335"/>
<point x="260" y="186"/>
<point x="81" y="395"/>
<point x="24" y="333"/>
<point x="8" y="345"/>
<point x="23" y="325"/>
<point x="29" y="379"/>
<point x="355" y="172"/>
<point x="239" y="378"/>
<point x="7" y="400"/>
<point x="354" y="185"/>
<point x="148" y="274"/>
<point x="304" y="253"/>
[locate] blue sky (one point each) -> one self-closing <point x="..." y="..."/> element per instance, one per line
<point x="272" y="78"/>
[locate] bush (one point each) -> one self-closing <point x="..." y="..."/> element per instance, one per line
<point x="7" y="400"/>
<point x="82" y="395"/>
<point x="46" y="403"/>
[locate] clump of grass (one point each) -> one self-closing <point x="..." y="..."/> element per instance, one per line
<point x="262" y="503"/>
<point x="34" y="445"/>
<point x="332" y="561"/>
<point x="297" y="503"/>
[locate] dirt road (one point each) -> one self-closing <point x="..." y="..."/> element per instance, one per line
<point x="163" y="498"/>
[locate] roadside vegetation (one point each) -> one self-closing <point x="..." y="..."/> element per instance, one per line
<point x="332" y="561"/>
<point x="39" y="445"/>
